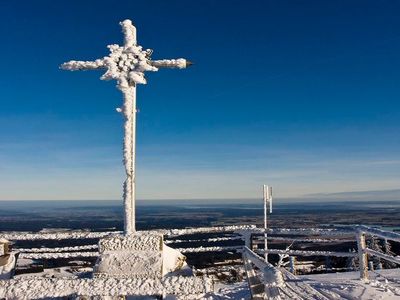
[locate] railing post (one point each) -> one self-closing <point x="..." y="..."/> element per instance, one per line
<point x="292" y="264"/>
<point x="247" y="240"/>
<point x="363" y="259"/>
<point x="371" y="265"/>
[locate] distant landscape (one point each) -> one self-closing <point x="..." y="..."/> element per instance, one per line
<point x="153" y="214"/>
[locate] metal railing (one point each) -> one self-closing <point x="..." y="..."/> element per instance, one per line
<point x="364" y="251"/>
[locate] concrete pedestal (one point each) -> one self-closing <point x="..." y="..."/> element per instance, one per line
<point x="139" y="255"/>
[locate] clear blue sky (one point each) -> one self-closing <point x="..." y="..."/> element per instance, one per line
<point x="303" y="95"/>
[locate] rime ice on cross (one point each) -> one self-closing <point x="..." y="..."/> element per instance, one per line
<point x="127" y="65"/>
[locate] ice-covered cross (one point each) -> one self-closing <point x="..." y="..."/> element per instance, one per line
<point x="127" y="65"/>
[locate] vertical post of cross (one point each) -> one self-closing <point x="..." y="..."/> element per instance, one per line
<point x="363" y="259"/>
<point x="129" y="93"/>
<point x="129" y="112"/>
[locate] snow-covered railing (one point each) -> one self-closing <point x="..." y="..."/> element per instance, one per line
<point x="310" y="253"/>
<point x="389" y="235"/>
<point x="234" y="228"/>
<point x="336" y="231"/>
<point x="55" y="255"/>
<point x="209" y="249"/>
<point x="363" y="250"/>
<point x="271" y="277"/>
<point x="58" y="249"/>
<point x="63" y="235"/>
<point x="393" y="259"/>
<point x="26" y="236"/>
<point x="301" y="240"/>
<point x="209" y="240"/>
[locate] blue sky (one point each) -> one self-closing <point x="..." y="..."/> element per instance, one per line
<point x="302" y="95"/>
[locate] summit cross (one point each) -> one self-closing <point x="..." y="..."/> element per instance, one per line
<point x="126" y="64"/>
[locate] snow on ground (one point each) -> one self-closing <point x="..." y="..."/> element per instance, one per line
<point x="383" y="284"/>
<point x="238" y="290"/>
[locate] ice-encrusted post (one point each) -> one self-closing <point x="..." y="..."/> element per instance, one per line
<point x="127" y="65"/>
<point x="292" y="265"/>
<point x="267" y="196"/>
<point x="362" y="256"/>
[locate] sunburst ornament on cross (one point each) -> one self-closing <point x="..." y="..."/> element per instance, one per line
<point x="126" y="64"/>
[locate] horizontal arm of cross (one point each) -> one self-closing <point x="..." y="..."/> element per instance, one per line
<point x="179" y="63"/>
<point x="74" y="65"/>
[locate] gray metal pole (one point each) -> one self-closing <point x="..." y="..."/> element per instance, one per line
<point x="265" y="189"/>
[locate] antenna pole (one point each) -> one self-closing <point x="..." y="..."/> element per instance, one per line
<point x="265" y="191"/>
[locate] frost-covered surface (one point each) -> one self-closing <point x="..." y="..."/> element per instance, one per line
<point x="134" y="255"/>
<point x="177" y="232"/>
<point x="209" y="249"/>
<point x="305" y="240"/>
<point x="173" y="261"/>
<point x="129" y="113"/>
<point x="143" y="241"/>
<point x="129" y="264"/>
<point x="383" y="284"/>
<point x="138" y="255"/>
<point x="54" y="255"/>
<point x="57" y="249"/>
<point x="3" y="246"/>
<point x="313" y="231"/>
<point x="126" y="63"/>
<point x="312" y="253"/>
<point x="394" y="259"/>
<point x="61" y="272"/>
<point x="173" y="232"/>
<point x="272" y="276"/>
<point x="238" y="290"/>
<point x="6" y="269"/>
<point x="381" y="233"/>
<point x="179" y="63"/>
<point x="33" y="288"/>
<point x="62" y="235"/>
<point x="218" y="239"/>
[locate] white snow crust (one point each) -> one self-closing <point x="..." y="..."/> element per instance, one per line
<point x="57" y="249"/>
<point x="142" y="241"/>
<point x="178" y="232"/>
<point x="129" y="264"/>
<point x="34" y="288"/>
<point x="209" y="249"/>
<point x="179" y="63"/>
<point x="63" y="235"/>
<point x="55" y="255"/>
